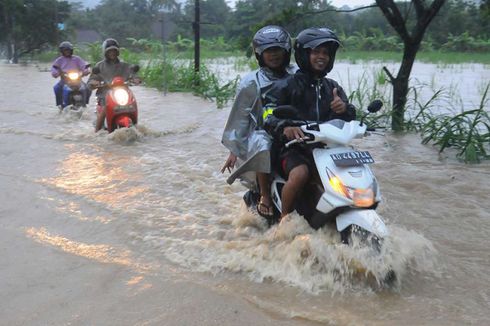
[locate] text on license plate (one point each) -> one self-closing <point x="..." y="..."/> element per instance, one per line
<point x="352" y="158"/>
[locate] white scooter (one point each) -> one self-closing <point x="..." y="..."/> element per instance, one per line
<point x="344" y="190"/>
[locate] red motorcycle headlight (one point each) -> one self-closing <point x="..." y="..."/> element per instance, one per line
<point x="121" y="96"/>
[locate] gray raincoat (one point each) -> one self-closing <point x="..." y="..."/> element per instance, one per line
<point x="243" y="134"/>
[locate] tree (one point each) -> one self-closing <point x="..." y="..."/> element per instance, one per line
<point x="30" y="24"/>
<point x="485" y="8"/>
<point x="123" y="19"/>
<point x="250" y="15"/>
<point x="213" y="13"/>
<point x="411" y="34"/>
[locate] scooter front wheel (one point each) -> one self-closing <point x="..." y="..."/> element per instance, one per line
<point x="356" y="234"/>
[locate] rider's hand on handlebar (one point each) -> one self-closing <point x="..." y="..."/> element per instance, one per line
<point x="230" y="163"/>
<point x="136" y="80"/>
<point x="94" y="84"/>
<point x="293" y="133"/>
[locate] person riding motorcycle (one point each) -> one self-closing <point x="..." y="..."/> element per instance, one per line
<point x="107" y="69"/>
<point x="316" y="97"/>
<point x="64" y="63"/>
<point x="243" y="134"/>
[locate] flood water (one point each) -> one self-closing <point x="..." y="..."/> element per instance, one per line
<point x="151" y="200"/>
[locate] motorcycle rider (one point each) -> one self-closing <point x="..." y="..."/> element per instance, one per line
<point x="66" y="62"/>
<point x="243" y="134"/>
<point x="109" y="68"/>
<point x="317" y="98"/>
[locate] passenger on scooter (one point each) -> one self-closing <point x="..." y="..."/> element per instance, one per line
<point x="107" y="69"/>
<point x="244" y="135"/>
<point x="64" y="63"/>
<point x="316" y="98"/>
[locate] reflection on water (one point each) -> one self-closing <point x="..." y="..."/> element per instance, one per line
<point x="102" y="179"/>
<point x="74" y="209"/>
<point x="98" y="252"/>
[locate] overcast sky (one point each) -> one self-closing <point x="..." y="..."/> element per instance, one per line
<point x="337" y="3"/>
<point x="351" y="3"/>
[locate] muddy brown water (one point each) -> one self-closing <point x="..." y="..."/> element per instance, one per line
<point x="146" y="209"/>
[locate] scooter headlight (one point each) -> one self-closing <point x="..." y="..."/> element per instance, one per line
<point x="363" y="197"/>
<point x="338" y="186"/>
<point x="360" y="197"/>
<point x="121" y="96"/>
<point x="73" y="75"/>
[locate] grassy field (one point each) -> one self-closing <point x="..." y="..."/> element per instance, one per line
<point x="353" y="56"/>
<point x="468" y="132"/>
<point x="428" y="57"/>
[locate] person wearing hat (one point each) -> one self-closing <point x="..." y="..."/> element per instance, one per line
<point x="248" y="143"/>
<point x="317" y="98"/>
<point x="107" y="69"/>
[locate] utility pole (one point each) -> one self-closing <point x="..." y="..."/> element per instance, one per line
<point x="164" y="59"/>
<point x="197" y="38"/>
<point x="56" y="22"/>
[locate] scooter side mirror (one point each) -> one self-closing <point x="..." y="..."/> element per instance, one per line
<point x="285" y="112"/>
<point x="134" y="68"/>
<point x="375" y="106"/>
<point x="96" y="70"/>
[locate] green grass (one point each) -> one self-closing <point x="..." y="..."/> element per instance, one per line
<point x="91" y="52"/>
<point x="181" y="77"/>
<point x="467" y="132"/>
<point x="453" y="57"/>
<point x="205" y="54"/>
<point x="423" y="56"/>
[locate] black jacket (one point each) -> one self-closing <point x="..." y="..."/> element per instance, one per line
<point x="311" y="97"/>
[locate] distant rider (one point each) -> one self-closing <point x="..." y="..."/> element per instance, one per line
<point x="64" y="63"/>
<point x="244" y="135"/>
<point x="317" y="98"/>
<point x="109" y="68"/>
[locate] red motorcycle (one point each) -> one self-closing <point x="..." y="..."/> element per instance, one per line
<point x="120" y="104"/>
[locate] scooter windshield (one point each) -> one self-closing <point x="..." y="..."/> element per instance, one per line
<point x="338" y="123"/>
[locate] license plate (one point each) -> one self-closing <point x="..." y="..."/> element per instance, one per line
<point x="352" y="158"/>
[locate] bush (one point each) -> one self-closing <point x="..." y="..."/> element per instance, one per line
<point x="171" y="76"/>
<point x="468" y="132"/>
<point x="465" y="43"/>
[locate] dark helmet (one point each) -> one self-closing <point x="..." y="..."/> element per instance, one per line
<point x="110" y="44"/>
<point x="309" y="39"/>
<point x="268" y="37"/>
<point x="66" y="46"/>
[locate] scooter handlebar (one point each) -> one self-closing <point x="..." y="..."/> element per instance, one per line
<point x="297" y="140"/>
<point x="103" y="83"/>
<point x="375" y="129"/>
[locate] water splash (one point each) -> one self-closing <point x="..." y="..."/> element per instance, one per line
<point x="139" y="132"/>
<point x="295" y="254"/>
<point x="70" y="115"/>
<point x="126" y="136"/>
<point x="154" y="133"/>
